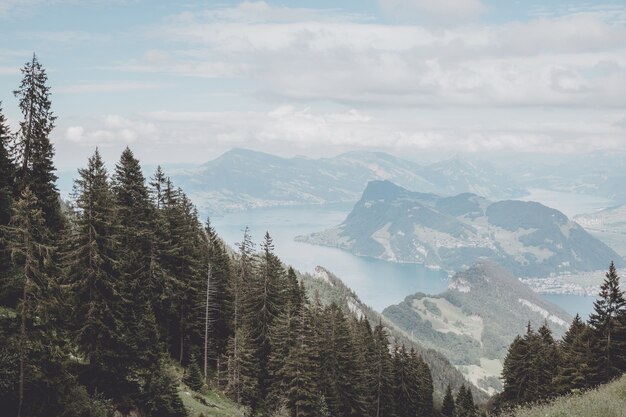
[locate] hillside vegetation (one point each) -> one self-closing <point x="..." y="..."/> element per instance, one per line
<point x="606" y="401"/>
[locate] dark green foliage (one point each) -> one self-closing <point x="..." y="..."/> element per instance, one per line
<point x="220" y="296"/>
<point x="381" y="390"/>
<point x="465" y="406"/>
<point x="448" y="406"/>
<point x="193" y="377"/>
<point x="160" y="398"/>
<point x="7" y="175"/>
<point x="608" y="324"/>
<point x="92" y="273"/>
<point x="577" y="364"/>
<point x="33" y="150"/>
<point x="341" y="381"/>
<point x="243" y="369"/>
<point x="298" y="374"/>
<point x="139" y="282"/>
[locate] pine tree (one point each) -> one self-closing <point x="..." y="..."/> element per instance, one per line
<point x="241" y="278"/>
<point x="342" y="388"/>
<point x="27" y="235"/>
<point x="424" y="383"/>
<point x="405" y="387"/>
<point x="243" y="381"/>
<point x="138" y="352"/>
<point x="193" y="377"/>
<point x="575" y="359"/>
<point x="160" y="397"/>
<point x="465" y="406"/>
<point x="262" y="303"/>
<point x="33" y="150"/>
<point x="545" y="362"/>
<point x="606" y="321"/>
<point x="92" y="268"/>
<point x="448" y="406"/>
<point x="381" y="363"/>
<point x="514" y="372"/>
<point x="220" y="297"/>
<point x="299" y="371"/>
<point x="7" y="176"/>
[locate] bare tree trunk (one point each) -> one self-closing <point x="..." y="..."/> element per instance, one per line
<point x="206" y="326"/>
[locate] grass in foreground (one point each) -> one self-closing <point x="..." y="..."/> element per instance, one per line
<point x="606" y="401"/>
<point x="209" y="404"/>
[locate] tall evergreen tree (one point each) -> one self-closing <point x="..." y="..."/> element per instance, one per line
<point x="448" y="406"/>
<point x="220" y="297"/>
<point x="342" y="388"/>
<point x="27" y="237"/>
<point x="92" y="270"/>
<point x="576" y="359"/>
<point x="465" y="406"/>
<point x="263" y="301"/>
<point x="381" y="365"/>
<point x="33" y="150"/>
<point x="7" y="187"/>
<point x="606" y="320"/>
<point x="139" y="350"/>
<point x="299" y="371"/>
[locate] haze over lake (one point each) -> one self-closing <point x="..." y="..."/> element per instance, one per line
<point x="377" y="283"/>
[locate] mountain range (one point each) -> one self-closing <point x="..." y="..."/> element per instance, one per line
<point x="527" y="238"/>
<point x="242" y="179"/>
<point x="476" y="319"/>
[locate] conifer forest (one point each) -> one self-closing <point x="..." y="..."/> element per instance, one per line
<point x="369" y="208"/>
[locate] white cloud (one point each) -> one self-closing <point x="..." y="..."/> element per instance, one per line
<point x="296" y="129"/>
<point x="572" y="60"/>
<point x="106" y="87"/>
<point x="447" y="9"/>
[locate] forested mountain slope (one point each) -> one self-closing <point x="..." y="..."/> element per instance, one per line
<point x="476" y="319"/>
<point x="328" y="288"/>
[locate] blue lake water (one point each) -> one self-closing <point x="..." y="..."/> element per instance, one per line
<point x="377" y="283"/>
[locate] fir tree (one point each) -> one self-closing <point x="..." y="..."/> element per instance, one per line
<point x="381" y="364"/>
<point x="448" y="406"/>
<point x="92" y="268"/>
<point x="138" y="352"/>
<point x="299" y="371"/>
<point x="220" y="297"/>
<point x="193" y="377"/>
<point x="342" y="387"/>
<point x="243" y="381"/>
<point x="27" y="235"/>
<point x="33" y="150"/>
<point x="607" y="323"/>
<point x="465" y="406"/>
<point x="575" y="364"/>
<point x="7" y="175"/>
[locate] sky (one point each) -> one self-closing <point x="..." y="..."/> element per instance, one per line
<point x="184" y="81"/>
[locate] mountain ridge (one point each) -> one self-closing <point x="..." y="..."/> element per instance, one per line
<point x="241" y="179"/>
<point x="528" y="238"/>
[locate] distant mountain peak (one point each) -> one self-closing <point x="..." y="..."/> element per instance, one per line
<point x="383" y="190"/>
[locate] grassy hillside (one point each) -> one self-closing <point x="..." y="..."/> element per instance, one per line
<point x="207" y="403"/>
<point x="606" y="401"/>
<point x="476" y="319"/>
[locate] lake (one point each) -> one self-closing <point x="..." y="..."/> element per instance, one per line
<point x="377" y="283"/>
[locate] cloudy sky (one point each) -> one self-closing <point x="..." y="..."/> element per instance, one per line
<point x="183" y="81"/>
